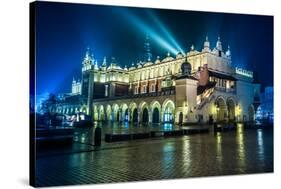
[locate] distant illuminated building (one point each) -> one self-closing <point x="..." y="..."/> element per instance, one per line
<point x="39" y="100"/>
<point x="265" y="110"/>
<point x="192" y="87"/>
<point x="76" y="87"/>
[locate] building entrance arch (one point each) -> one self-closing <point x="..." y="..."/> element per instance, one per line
<point x="231" y="109"/>
<point x="145" y="116"/>
<point x="135" y="116"/>
<point x="221" y="109"/>
<point x="155" y="115"/>
<point x="168" y="113"/>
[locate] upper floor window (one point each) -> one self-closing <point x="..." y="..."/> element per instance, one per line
<point x="136" y="90"/>
<point x="144" y="89"/>
<point x="153" y="88"/>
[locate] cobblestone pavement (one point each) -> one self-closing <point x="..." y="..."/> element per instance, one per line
<point x="234" y="152"/>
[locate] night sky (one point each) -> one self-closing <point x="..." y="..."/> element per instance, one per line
<point x="64" y="31"/>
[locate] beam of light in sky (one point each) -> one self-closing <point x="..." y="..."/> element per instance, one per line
<point x="146" y="29"/>
<point x="165" y="31"/>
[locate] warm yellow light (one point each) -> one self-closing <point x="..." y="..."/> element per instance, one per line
<point x="218" y="138"/>
<point x="237" y="110"/>
<point x="214" y="109"/>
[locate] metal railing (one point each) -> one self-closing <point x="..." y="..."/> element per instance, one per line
<point x="226" y="90"/>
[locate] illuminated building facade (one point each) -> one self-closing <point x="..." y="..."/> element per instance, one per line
<point x="189" y="88"/>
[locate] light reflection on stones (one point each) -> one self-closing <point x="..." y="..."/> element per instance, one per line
<point x="186" y="155"/>
<point x="260" y="146"/>
<point x="241" y="147"/>
<point x="168" y="159"/>
<point x="219" y="147"/>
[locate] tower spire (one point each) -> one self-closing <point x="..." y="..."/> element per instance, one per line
<point x="228" y="52"/>
<point x="88" y="60"/>
<point x="88" y="57"/>
<point x="104" y="61"/>
<point x="218" y="45"/>
<point x="96" y="67"/>
<point x="147" y="48"/>
<point x="192" y="47"/>
<point x="206" y="45"/>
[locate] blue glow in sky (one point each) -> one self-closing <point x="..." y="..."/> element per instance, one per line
<point x="165" y="30"/>
<point x="150" y="30"/>
<point x="64" y="31"/>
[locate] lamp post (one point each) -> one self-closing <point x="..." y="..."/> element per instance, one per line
<point x="238" y="112"/>
<point x="218" y="110"/>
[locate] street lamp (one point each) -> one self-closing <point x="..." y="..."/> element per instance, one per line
<point x="218" y="109"/>
<point x="238" y="112"/>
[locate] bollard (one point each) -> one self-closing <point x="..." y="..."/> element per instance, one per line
<point x="98" y="136"/>
<point x="211" y="121"/>
<point x="215" y="127"/>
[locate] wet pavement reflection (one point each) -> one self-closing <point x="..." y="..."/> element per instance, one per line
<point x="240" y="151"/>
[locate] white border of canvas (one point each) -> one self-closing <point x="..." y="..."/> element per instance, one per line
<point x="14" y="56"/>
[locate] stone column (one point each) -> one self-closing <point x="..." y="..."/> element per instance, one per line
<point x="129" y="114"/>
<point x="150" y="112"/>
<point x="162" y="116"/>
<point x="139" y="116"/>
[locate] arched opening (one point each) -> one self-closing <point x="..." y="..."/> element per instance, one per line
<point x="155" y="115"/>
<point x="251" y="112"/>
<point x="112" y="116"/>
<point x="126" y="115"/>
<point x="168" y="114"/>
<point x="135" y="116"/>
<point x="221" y="110"/>
<point x="145" y="115"/>
<point x="155" y="112"/>
<point x="231" y="110"/>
